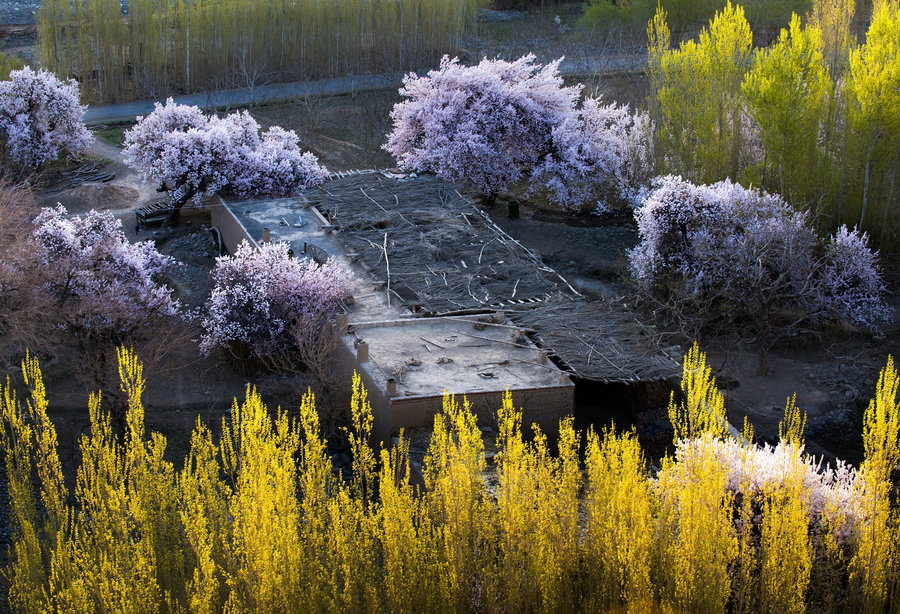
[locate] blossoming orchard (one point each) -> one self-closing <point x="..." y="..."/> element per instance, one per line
<point x="660" y="377"/>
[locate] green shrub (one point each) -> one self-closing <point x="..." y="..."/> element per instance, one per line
<point x="8" y="64"/>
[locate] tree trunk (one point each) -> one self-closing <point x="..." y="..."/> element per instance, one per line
<point x="886" y="226"/>
<point x="763" y="365"/>
<point x="173" y="217"/>
<point x="187" y="46"/>
<point x="865" y="196"/>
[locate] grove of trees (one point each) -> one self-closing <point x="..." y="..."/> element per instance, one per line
<point x="157" y="48"/>
<point x="815" y="117"/>
<point x="256" y="520"/>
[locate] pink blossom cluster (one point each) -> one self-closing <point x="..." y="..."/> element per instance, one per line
<point x="41" y="117"/>
<point x="483" y="126"/>
<point x="600" y="155"/>
<point x="108" y="285"/>
<point x="830" y="492"/>
<point x="499" y="123"/>
<point x="751" y="249"/>
<point x="195" y="156"/>
<point x="263" y="298"/>
<point x="276" y="166"/>
<point x="854" y="286"/>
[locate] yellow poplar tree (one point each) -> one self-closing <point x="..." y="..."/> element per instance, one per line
<point x="702" y="409"/>
<point x="537" y="517"/>
<point x="787" y="93"/>
<point x="872" y="90"/>
<point x="785" y="547"/>
<point x="875" y="564"/>
<point x="696" y="540"/>
<point x="697" y="92"/>
<point x="455" y="495"/>
<point x="619" y="536"/>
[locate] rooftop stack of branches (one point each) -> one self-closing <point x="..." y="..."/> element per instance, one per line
<point x="161" y="47"/>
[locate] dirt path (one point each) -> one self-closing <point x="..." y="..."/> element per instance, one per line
<point x="120" y="196"/>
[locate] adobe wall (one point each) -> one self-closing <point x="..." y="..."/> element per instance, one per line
<point x="230" y="228"/>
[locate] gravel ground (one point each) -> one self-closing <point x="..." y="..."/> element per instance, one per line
<point x="18" y="11"/>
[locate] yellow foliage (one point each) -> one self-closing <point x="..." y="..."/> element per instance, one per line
<point x="834" y="19"/>
<point x="790" y="428"/>
<point x="875" y="563"/>
<point x="263" y="547"/>
<point x="785" y="549"/>
<point x="620" y="506"/>
<point x="703" y="408"/>
<point x="259" y="522"/>
<point x="363" y="456"/>
<point x="697" y="542"/>
<point x="786" y="95"/>
<point x="411" y="541"/>
<point x="537" y="517"/>
<point x="455" y="495"/>
<point x="697" y="95"/>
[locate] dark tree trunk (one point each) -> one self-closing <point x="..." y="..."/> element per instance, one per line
<point x="174" y="215"/>
<point x="175" y="211"/>
<point x="763" y="368"/>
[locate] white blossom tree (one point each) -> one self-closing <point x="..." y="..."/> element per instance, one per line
<point x="744" y="258"/>
<point x="483" y="126"/>
<point x="95" y="286"/>
<point x="41" y="118"/>
<point x="600" y="156"/>
<point x="193" y="155"/>
<point x="495" y="125"/>
<point x="269" y="307"/>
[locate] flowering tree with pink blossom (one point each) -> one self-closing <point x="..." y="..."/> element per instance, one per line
<point x="497" y="124"/>
<point x="96" y="286"/>
<point x="276" y="166"/>
<point x="600" y="156"/>
<point x="483" y="126"/>
<point x="41" y="118"/>
<point x="746" y="259"/>
<point x="194" y="156"/>
<point x="268" y="306"/>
